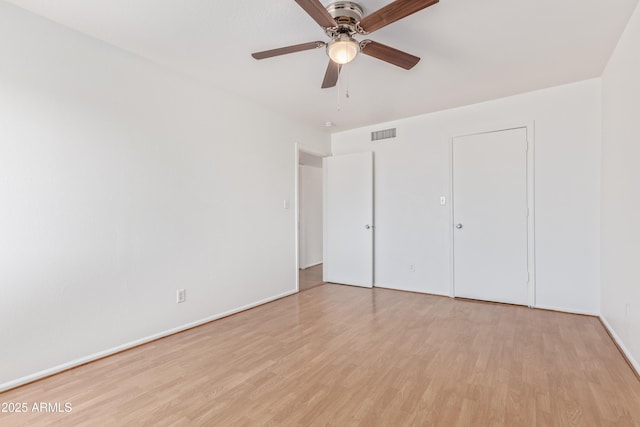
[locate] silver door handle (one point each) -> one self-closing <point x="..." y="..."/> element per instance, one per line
<point x="458" y="226"/>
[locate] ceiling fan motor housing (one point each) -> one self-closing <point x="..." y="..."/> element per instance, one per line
<point x="347" y="15"/>
<point x="346" y="8"/>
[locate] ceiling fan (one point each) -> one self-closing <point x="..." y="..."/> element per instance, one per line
<point x="341" y="21"/>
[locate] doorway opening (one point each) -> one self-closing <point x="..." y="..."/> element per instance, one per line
<point x="310" y="220"/>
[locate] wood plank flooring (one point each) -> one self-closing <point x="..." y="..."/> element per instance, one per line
<point x="345" y="356"/>
<point x="310" y="277"/>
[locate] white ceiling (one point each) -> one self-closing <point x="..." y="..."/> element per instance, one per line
<point x="471" y="50"/>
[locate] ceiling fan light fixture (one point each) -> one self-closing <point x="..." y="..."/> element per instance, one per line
<point x="344" y="19"/>
<point x="343" y="49"/>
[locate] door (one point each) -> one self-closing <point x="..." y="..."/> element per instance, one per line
<point x="490" y="216"/>
<point x="348" y="219"/>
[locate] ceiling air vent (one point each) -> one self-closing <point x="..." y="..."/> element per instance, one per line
<point x="383" y="134"/>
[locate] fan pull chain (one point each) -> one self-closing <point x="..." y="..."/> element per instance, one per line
<point x="341" y="77"/>
<point x="338" y="100"/>
<point x="346" y="93"/>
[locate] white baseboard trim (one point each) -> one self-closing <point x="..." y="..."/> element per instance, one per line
<point x="621" y="345"/>
<point x="93" y="357"/>
<point x="397" y="288"/>
<point x="568" y="310"/>
<point x="311" y="265"/>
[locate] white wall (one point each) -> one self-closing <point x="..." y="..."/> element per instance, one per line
<point x="620" y="191"/>
<point x="121" y="182"/>
<point x="310" y="215"/>
<point x="412" y="172"/>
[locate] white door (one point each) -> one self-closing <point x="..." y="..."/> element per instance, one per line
<point x="348" y="219"/>
<point x="490" y="216"/>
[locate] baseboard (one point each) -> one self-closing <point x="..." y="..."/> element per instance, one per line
<point x="568" y="310"/>
<point x="616" y="338"/>
<point x="109" y="352"/>
<point x="396" y="288"/>
<point x="310" y="265"/>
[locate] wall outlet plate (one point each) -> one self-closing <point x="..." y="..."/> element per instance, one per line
<point x="181" y="295"/>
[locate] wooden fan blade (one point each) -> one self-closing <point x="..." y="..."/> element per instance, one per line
<point x="389" y="54"/>
<point x="331" y="76"/>
<point x="289" y="49"/>
<point x="318" y="12"/>
<point x="393" y="12"/>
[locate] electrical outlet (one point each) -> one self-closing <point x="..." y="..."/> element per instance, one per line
<point x="412" y="268"/>
<point x="181" y="295"/>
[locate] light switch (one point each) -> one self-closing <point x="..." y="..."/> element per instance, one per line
<point x="286" y="204"/>
<point x="443" y="200"/>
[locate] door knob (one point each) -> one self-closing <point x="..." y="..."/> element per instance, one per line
<point x="367" y="226"/>
<point x="458" y="226"/>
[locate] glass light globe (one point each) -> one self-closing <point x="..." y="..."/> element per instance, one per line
<point x="343" y="49"/>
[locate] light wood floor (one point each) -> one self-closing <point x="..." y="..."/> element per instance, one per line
<point x="342" y="356"/>
<point x="310" y="277"/>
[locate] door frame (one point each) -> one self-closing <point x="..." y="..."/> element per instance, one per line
<point x="531" y="253"/>
<point x="296" y="204"/>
